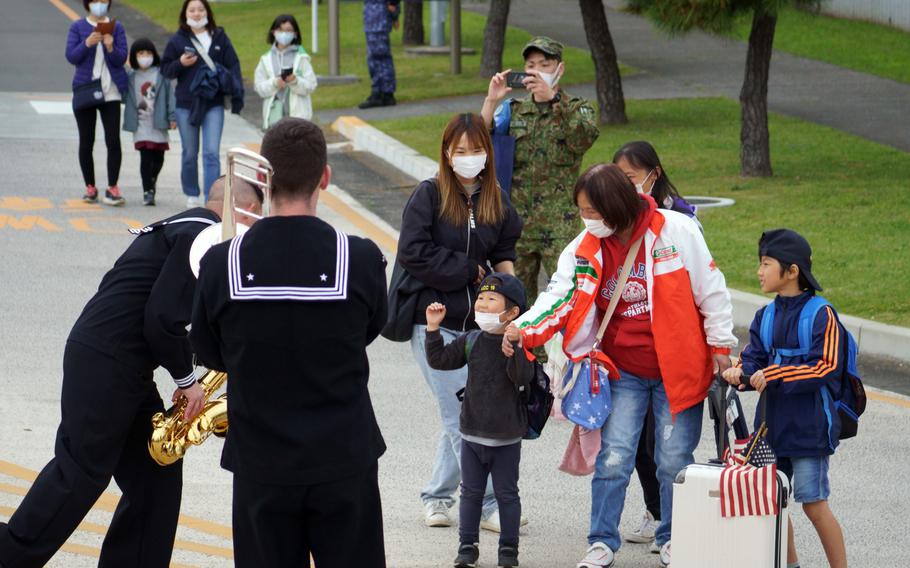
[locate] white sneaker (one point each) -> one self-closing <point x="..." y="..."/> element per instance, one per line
<point x="193" y="201"/>
<point x="665" y="555"/>
<point x="437" y="514"/>
<point x="599" y="555"/>
<point x="645" y="531"/>
<point x="492" y="523"/>
<point x="654" y="549"/>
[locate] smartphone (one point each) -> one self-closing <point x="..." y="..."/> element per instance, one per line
<point x="286" y="72"/>
<point x="514" y="80"/>
<point x="189" y="50"/>
<point x="105" y="28"/>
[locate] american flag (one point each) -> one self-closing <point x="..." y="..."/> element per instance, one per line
<point x="746" y="490"/>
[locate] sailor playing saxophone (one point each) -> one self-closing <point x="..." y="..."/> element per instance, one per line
<point x="135" y="323"/>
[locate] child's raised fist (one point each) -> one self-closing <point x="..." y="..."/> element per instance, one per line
<point x="436" y="312"/>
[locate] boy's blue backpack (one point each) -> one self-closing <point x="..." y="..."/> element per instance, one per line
<point x="852" y="396"/>
<point x="537" y="396"/>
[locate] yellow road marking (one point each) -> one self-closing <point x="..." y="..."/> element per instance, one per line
<point x="369" y="228"/>
<point x="107" y="501"/>
<point x="102" y="530"/>
<point x="67" y="11"/>
<point x="334" y="203"/>
<point x="888" y="399"/>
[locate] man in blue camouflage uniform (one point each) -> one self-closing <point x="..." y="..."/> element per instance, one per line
<point x="379" y="17"/>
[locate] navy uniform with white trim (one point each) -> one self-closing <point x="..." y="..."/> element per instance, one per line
<point x="288" y="309"/>
<point x="134" y="323"/>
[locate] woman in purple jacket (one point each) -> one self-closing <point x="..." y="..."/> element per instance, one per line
<point x="198" y="108"/>
<point x="98" y="56"/>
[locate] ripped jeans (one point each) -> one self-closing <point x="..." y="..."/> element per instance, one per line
<point x="674" y="441"/>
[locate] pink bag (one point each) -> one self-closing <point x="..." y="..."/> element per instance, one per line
<point x="581" y="453"/>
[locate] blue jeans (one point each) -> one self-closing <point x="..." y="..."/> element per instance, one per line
<point x="808" y="477"/>
<point x="212" y="125"/>
<point x="447" y="465"/>
<point x="675" y="442"/>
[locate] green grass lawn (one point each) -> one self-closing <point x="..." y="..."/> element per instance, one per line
<point x="842" y="192"/>
<point x="861" y="46"/>
<point x="419" y="77"/>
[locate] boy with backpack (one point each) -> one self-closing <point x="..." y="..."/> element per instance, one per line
<point x="494" y="415"/>
<point x="803" y="359"/>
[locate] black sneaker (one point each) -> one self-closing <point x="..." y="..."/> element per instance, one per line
<point x="467" y="556"/>
<point x="148" y="198"/>
<point x="374" y="100"/>
<point x="112" y="197"/>
<point x="388" y="99"/>
<point x="91" y="194"/>
<point x="508" y="556"/>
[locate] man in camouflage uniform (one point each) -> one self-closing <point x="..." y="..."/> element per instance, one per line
<point x="552" y="131"/>
<point x="379" y="17"/>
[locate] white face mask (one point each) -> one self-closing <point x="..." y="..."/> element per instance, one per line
<point x="469" y="166"/>
<point x="145" y="62"/>
<point x="198" y="24"/>
<point x="489" y="322"/>
<point x="640" y="187"/>
<point x="285" y="38"/>
<point x="98" y="9"/>
<point x="597" y="228"/>
<point x="551" y="78"/>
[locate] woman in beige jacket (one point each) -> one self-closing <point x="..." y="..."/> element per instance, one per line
<point x="284" y="77"/>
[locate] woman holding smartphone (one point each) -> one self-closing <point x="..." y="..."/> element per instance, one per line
<point x="200" y="47"/>
<point x="96" y="47"/>
<point x="284" y="76"/>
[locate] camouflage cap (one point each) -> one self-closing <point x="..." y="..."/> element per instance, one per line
<point x="542" y="43"/>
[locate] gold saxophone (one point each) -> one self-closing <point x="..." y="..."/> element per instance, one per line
<point x="172" y="435"/>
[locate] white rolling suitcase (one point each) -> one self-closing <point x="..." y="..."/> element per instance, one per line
<point x="702" y="538"/>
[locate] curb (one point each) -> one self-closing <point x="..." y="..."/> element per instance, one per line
<point x="872" y="338"/>
<point x="380" y="144"/>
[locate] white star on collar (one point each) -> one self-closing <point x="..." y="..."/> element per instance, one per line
<point x="323" y="277"/>
<point x="250" y="277"/>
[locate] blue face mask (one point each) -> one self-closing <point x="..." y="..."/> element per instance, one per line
<point x="98" y="9"/>
<point x="285" y="38"/>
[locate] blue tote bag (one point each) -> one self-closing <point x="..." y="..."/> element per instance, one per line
<point x="586" y="399"/>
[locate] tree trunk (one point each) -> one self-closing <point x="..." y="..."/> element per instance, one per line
<point x="494" y="38"/>
<point x="413" y="23"/>
<point x="609" y="84"/>
<point x="755" y="149"/>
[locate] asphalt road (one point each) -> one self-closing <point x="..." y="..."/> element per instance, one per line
<point x="55" y="251"/>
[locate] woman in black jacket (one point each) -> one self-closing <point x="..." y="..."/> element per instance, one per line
<point x="454" y="229"/>
<point x="199" y="108"/>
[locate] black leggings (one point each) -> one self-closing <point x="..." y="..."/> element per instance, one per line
<point x="150" y="164"/>
<point x="110" y="120"/>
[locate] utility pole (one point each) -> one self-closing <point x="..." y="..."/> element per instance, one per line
<point x="455" y="32"/>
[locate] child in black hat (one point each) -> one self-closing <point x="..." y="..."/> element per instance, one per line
<point x="493" y="414"/>
<point x="796" y="356"/>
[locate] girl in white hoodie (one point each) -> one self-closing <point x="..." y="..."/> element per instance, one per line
<point x="284" y="76"/>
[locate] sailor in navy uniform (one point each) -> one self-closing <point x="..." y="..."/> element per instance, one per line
<point x="135" y="323"/>
<point x="288" y="309"/>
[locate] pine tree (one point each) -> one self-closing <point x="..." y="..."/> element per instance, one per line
<point x="680" y="16"/>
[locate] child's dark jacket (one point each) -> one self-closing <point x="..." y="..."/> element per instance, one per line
<point x="495" y="404"/>
<point x="801" y="416"/>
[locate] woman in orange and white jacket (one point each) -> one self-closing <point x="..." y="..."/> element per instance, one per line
<point x="672" y="326"/>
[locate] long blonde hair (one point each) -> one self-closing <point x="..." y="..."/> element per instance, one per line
<point x="453" y="208"/>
